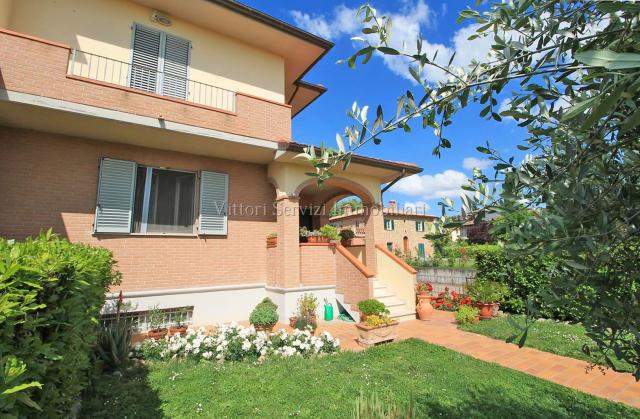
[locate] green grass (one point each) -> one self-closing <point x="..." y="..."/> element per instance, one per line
<point x="549" y="336"/>
<point x="443" y="383"/>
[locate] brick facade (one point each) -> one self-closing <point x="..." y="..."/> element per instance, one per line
<point x="40" y="68"/>
<point x="51" y="181"/>
<point x="317" y="264"/>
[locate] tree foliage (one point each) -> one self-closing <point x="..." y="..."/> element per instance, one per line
<point x="573" y="70"/>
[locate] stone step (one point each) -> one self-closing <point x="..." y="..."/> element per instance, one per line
<point x="402" y="313"/>
<point x="382" y="293"/>
<point x="391" y="301"/>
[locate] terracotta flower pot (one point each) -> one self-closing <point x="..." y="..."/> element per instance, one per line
<point x="264" y="328"/>
<point x="181" y="329"/>
<point x="292" y="321"/>
<point x="346" y="243"/>
<point x="485" y="310"/>
<point x="424" y="307"/>
<point x="272" y="242"/>
<point x="157" y="334"/>
<point x="313" y="239"/>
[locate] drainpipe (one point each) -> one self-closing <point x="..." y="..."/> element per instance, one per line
<point x="393" y="182"/>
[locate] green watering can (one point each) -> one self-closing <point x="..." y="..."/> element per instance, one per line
<point x="328" y="312"/>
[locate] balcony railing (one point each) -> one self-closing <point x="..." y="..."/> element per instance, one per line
<point x="108" y="70"/>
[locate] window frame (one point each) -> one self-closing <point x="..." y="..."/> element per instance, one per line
<point x="391" y="224"/>
<point x="146" y="196"/>
<point x="420" y="226"/>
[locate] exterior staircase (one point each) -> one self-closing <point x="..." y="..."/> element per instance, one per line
<point x="399" y="310"/>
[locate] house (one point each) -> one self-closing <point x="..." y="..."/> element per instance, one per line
<point x="161" y="130"/>
<point x="404" y="229"/>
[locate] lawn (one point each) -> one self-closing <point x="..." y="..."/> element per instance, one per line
<point x="546" y="335"/>
<point x="442" y="383"/>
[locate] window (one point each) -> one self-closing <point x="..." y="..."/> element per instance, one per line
<point x="421" y="253"/>
<point x="420" y="226"/>
<point x="159" y="62"/>
<point x="388" y="224"/>
<point x="357" y="224"/>
<point x="164" y="201"/>
<point x="390" y="246"/>
<point x="139" y="199"/>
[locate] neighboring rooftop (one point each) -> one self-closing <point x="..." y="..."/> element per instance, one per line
<point x="391" y="210"/>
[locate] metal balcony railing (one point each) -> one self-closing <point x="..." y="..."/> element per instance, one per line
<point x="108" y="70"/>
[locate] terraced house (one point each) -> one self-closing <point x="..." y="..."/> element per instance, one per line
<point x="162" y="130"/>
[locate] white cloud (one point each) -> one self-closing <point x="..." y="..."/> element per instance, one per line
<point x="342" y="22"/>
<point x="441" y="185"/>
<point x="418" y="207"/>
<point x="470" y="163"/>
<point x="407" y="24"/>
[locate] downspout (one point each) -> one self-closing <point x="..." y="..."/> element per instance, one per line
<point x="393" y="182"/>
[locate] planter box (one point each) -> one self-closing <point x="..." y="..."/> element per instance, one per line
<point x="374" y="335"/>
<point x="272" y="242"/>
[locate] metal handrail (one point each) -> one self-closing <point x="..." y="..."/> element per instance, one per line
<point x="109" y="70"/>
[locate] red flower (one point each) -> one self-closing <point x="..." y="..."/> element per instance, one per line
<point x="446" y="288"/>
<point x="448" y="305"/>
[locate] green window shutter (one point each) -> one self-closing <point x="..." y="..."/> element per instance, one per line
<point x="421" y="250"/>
<point x="214" y="191"/>
<point x="116" y="187"/>
<point x="145" y="59"/>
<point x="176" y="64"/>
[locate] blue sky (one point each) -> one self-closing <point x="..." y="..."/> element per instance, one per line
<point x="381" y="82"/>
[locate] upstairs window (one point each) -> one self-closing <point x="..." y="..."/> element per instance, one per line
<point x="159" y="62"/>
<point x="420" y="226"/>
<point x="388" y="224"/>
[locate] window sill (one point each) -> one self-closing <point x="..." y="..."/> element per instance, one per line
<point x="148" y="234"/>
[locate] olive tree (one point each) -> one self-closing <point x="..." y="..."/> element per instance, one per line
<point x="572" y="69"/>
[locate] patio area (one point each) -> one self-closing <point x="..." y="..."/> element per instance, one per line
<point x="442" y="330"/>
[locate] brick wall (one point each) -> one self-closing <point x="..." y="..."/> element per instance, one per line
<point x="351" y="282"/>
<point x="317" y="264"/>
<point x="39" y="68"/>
<point x="51" y="181"/>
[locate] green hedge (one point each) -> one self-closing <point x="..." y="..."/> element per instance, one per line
<point x="50" y="300"/>
<point x="525" y="276"/>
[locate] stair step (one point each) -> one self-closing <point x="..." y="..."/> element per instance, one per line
<point x="382" y="293"/>
<point x="391" y="301"/>
<point x="401" y="313"/>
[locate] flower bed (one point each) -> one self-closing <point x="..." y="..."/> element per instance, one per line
<point x="237" y="343"/>
<point x="450" y="301"/>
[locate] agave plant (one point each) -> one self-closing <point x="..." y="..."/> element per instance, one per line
<point x="114" y="345"/>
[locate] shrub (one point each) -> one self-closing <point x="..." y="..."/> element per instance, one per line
<point x="466" y="314"/>
<point x="268" y="302"/>
<point x="304" y="323"/>
<point x="329" y="231"/>
<point x="347" y="234"/>
<point x="264" y="315"/>
<point x="52" y="293"/>
<point x="372" y="307"/>
<point x="307" y="304"/>
<point x="525" y="277"/>
<point x="487" y="291"/>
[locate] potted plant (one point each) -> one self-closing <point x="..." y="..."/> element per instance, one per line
<point x="307" y="306"/>
<point x="303" y="232"/>
<point x="306" y="322"/>
<point x="180" y="322"/>
<point x="315" y="237"/>
<point x="329" y="232"/>
<point x="371" y="307"/>
<point x="346" y="236"/>
<point x="272" y="240"/>
<point x="501" y="291"/>
<point x="264" y="316"/>
<point x="424" y="308"/>
<point x="467" y="314"/>
<point x="485" y="293"/>
<point x="156" y="321"/>
<point x="377" y="327"/>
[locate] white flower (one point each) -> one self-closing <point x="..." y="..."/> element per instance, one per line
<point x="246" y="345"/>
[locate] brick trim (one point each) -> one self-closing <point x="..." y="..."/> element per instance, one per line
<point x="317" y="244"/>
<point x="354" y="260"/>
<point x="143" y="93"/>
<point x="396" y="259"/>
<point x="263" y="99"/>
<point x="34" y="38"/>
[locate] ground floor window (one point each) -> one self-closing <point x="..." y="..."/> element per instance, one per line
<point x="164" y="201"/>
<point x="421" y="253"/>
<point x="390" y="246"/>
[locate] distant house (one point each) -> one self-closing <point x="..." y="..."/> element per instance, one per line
<point x="476" y="233"/>
<point x="404" y="229"/>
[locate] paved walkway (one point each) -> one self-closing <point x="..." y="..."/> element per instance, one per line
<point x="441" y="330"/>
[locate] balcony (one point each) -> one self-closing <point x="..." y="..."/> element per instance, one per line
<point x="107" y="70"/>
<point x="46" y="69"/>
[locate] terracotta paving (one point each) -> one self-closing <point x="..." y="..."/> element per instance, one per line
<point x="441" y="330"/>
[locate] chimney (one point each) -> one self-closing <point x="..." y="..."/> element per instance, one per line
<point x="392" y="205"/>
<point x="347" y="210"/>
